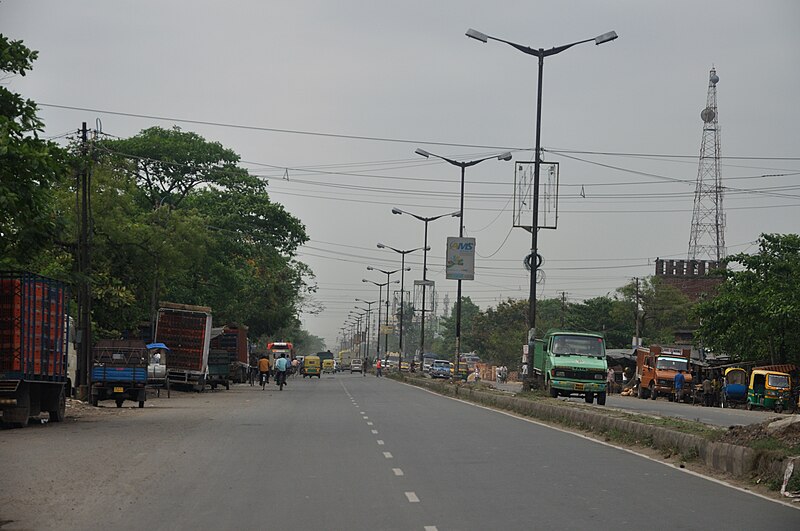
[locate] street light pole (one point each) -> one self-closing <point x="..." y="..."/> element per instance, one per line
<point x="388" y="274"/>
<point x="534" y="261"/>
<point x="463" y="165"/>
<point x="403" y="269"/>
<point x="369" y="316"/>
<point x="425" y="248"/>
<point x="380" y="294"/>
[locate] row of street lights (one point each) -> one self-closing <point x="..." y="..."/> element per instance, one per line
<point x="533" y="259"/>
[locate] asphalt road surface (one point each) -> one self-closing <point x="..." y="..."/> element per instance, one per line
<point x="345" y="452"/>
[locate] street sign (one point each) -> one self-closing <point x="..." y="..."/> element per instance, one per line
<point x="460" y="263"/>
<point x="387" y="329"/>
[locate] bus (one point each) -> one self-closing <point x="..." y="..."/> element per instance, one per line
<point x="275" y="349"/>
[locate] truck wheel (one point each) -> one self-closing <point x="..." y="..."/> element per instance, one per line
<point x="227" y="386"/>
<point x="588" y="398"/>
<point x="601" y="399"/>
<point x="119" y="401"/>
<point x="141" y="404"/>
<point x="95" y="401"/>
<point x="551" y="390"/>
<point x="57" y="415"/>
<point x="653" y="393"/>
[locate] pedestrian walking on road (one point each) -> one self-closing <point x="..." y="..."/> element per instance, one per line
<point x="263" y="371"/>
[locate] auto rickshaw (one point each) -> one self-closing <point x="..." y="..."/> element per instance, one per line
<point x="328" y="366"/>
<point x="734" y="390"/>
<point x="311" y="367"/>
<point x="769" y="389"/>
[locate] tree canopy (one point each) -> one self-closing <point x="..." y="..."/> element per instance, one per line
<point x="756" y="312"/>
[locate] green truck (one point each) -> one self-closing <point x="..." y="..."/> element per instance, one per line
<point x="568" y="363"/>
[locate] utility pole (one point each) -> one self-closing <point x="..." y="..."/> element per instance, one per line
<point x="636" y="339"/>
<point x="563" y="307"/>
<point x="84" y="269"/>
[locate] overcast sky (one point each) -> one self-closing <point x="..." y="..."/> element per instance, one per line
<point x="288" y="83"/>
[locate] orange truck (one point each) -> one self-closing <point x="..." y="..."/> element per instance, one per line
<point x="656" y="368"/>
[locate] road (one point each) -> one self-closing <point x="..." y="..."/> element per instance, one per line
<point x="345" y="452"/>
<point x="662" y="407"/>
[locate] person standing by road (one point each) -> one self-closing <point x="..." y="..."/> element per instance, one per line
<point x="708" y="392"/>
<point x="378" y="367"/>
<point x="610" y="380"/>
<point x="680" y="380"/>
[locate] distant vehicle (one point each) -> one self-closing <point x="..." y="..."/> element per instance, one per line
<point x="770" y="390"/>
<point x="656" y="368"/>
<point x="572" y="363"/>
<point x="405" y="366"/>
<point x="311" y="367"/>
<point x="328" y="366"/>
<point x="356" y="365"/>
<point x="440" y="369"/>
<point x="186" y="330"/>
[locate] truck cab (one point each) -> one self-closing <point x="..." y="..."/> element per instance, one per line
<point x="656" y="368"/>
<point x="571" y="363"/>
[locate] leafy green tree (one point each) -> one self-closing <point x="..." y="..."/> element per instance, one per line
<point x="664" y="309"/>
<point x="498" y="334"/>
<point x="29" y="168"/>
<point x="446" y="344"/>
<point x="756" y="311"/>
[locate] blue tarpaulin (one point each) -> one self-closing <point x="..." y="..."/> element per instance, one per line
<point x="157" y="345"/>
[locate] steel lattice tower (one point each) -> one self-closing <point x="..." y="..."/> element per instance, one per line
<point x="707" y="240"/>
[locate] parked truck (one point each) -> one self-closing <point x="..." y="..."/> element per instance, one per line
<point x="570" y="363"/>
<point x="119" y="371"/>
<point x="233" y="340"/>
<point x="656" y="368"/>
<point x="33" y="347"/>
<point x="186" y="330"/>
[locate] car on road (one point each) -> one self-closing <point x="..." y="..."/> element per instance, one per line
<point x="356" y="365"/>
<point x="440" y="369"/>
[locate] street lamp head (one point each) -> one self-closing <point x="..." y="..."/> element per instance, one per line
<point x="504" y="156"/>
<point x="396" y="210"/>
<point x="407" y="269"/>
<point x="370" y="268"/>
<point x="420" y="151"/>
<point x="605" y="37"/>
<point x="456" y="214"/>
<point x="477" y="35"/>
<point x="381" y="246"/>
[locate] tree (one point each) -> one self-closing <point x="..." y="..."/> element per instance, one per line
<point x="29" y="168"/>
<point x="446" y="344"/>
<point x="664" y="309"/>
<point x="756" y="311"/>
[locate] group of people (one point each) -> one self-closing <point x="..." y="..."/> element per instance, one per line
<point x="280" y="369"/>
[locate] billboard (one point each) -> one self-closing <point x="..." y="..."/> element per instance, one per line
<point x="460" y="259"/>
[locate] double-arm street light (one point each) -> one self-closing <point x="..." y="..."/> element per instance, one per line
<point x="463" y="165"/>
<point x="388" y="274"/>
<point x="403" y="270"/>
<point x="533" y="258"/>
<point x="380" y="294"/>
<point x="368" y="309"/>
<point x="425" y="248"/>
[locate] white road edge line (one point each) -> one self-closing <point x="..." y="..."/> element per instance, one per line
<point x="604" y="443"/>
<point x="412" y="498"/>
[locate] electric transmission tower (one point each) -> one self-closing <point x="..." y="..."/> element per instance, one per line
<point x="707" y="240"/>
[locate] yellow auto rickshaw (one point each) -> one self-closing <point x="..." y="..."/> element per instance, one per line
<point x="311" y="367"/>
<point x="328" y="366"/>
<point x="770" y="390"/>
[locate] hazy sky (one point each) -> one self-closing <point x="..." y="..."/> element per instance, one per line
<point x="282" y="78"/>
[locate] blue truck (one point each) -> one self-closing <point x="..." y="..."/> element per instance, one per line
<point x="119" y="371"/>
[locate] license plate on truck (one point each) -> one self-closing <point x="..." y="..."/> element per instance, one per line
<point x="119" y="389"/>
<point x="579" y="387"/>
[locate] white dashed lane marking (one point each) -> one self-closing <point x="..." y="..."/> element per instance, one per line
<point x="375" y="432"/>
<point x="380" y="442"/>
<point x="369" y="424"/>
<point x="412" y="498"/>
<point x="397" y="471"/>
<point x="387" y="455"/>
<point x="430" y="528"/>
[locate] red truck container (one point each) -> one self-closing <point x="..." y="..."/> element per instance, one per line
<point x="186" y="330"/>
<point x="34" y="326"/>
<point x="234" y="340"/>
